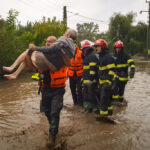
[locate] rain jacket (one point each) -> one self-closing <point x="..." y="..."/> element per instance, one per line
<point x="106" y="67"/>
<point x="123" y="62"/>
<point x="90" y="71"/>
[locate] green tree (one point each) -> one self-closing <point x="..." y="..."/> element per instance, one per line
<point x="46" y="28"/>
<point x="12" y="19"/>
<point x="87" y="31"/>
<point x="15" y="38"/>
<point x="133" y="36"/>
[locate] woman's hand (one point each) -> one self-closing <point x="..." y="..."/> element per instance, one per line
<point x="32" y="46"/>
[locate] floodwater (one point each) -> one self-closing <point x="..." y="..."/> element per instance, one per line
<point x="22" y="126"/>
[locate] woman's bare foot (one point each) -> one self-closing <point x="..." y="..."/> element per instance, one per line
<point x="10" y="76"/>
<point x="8" y="69"/>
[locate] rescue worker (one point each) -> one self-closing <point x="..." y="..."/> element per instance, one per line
<point x="86" y="49"/>
<point x="75" y="72"/>
<point x="89" y="79"/>
<point x="52" y="87"/>
<point x="123" y="62"/>
<point x="106" y="76"/>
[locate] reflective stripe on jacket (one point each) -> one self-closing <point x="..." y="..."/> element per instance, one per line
<point x="106" y="71"/>
<point x="76" y="65"/>
<point x="90" y="69"/>
<point x="123" y="62"/>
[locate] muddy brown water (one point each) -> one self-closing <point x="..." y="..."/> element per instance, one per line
<point x="22" y="126"/>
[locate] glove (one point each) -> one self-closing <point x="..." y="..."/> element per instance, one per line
<point x="132" y="73"/>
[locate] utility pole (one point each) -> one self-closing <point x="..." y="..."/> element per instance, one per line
<point x="65" y="15"/>
<point x="148" y="28"/>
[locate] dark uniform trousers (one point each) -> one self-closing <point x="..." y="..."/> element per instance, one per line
<point x="105" y="96"/>
<point x="76" y="90"/>
<point x="90" y="95"/>
<point x="119" y="90"/>
<point x="51" y="104"/>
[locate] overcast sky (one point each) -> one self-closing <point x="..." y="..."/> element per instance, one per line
<point x="100" y="10"/>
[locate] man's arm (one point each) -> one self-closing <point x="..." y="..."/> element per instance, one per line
<point x="132" y="67"/>
<point x="54" y="48"/>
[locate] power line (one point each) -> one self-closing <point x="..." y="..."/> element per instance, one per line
<point x="29" y="5"/>
<point x="42" y="8"/>
<point x="49" y="4"/>
<point x="59" y="7"/>
<point x="77" y="14"/>
<point x="73" y="15"/>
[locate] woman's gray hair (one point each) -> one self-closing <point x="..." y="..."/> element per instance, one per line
<point x="72" y="33"/>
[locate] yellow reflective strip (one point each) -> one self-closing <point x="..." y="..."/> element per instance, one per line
<point x="103" y="112"/>
<point x="130" y="60"/>
<point x="122" y="65"/>
<point x="92" y="64"/>
<point x="123" y="79"/>
<point x="120" y="96"/>
<point x="132" y="66"/>
<point x="107" y="67"/>
<point x="89" y="81"/>
<point x="114" y="76"/>
<point x="111" y="73"/>
<point x="86" y="67"/>
<point x="102" y="68"/>
<point x="110" y="108"/>
<point x="36" y="74"/>
<point x="94" y="81"/>
<point x="34" y="78"/>
<point x="92" y="72"/>
<point x="115" y="96"/>
<point x="86" y="81"/>
<point x="110" y="66"/>
<point x="105" y="81"/>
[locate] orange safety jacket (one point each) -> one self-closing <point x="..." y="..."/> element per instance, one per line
<point x="76" y="64"/>
<point x="58" y="78"/>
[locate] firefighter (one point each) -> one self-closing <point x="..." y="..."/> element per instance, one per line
<point x="123" y="62"/>
<point x="106" y="76"/>
<point x="90" y="82"/>
<point x="89" y="78"/>
<point x="75" y="72"/>
<point x="86" y="49"/>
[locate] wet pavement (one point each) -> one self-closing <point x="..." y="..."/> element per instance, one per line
<point x="22" y="126"/>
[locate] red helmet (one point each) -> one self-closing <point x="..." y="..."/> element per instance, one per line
<point x="118" y="44"/>
<point x="86" y="44"/>
<point x="101" y="42"/>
